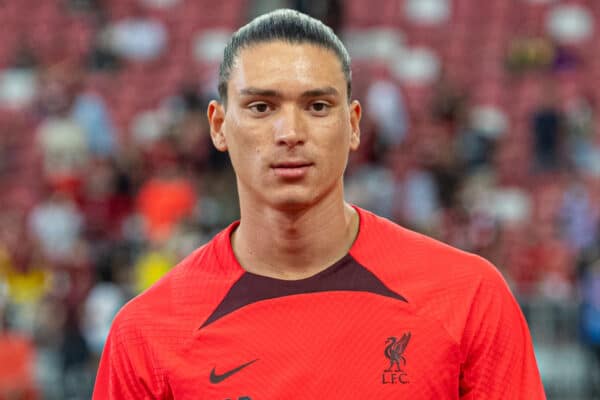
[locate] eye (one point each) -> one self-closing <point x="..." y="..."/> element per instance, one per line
<point x="259" y="107"/>
<point x="319" y="107"/>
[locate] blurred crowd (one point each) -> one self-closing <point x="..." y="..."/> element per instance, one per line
<point x="108" y="177"/>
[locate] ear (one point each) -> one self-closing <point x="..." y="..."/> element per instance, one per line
<point x="216" y="120"/>
<point x="355" y="114"/>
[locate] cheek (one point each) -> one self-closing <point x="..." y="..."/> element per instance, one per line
<point x="338" y="141"/>
<point x="244" y="131"/>
<point x="243" y="141"/>
<point x="333" y="143"/>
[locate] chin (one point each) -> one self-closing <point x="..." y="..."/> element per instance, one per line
<point x="292" y="205"/>
<point x="298" y="198"/>
<point x="292" y="202"/>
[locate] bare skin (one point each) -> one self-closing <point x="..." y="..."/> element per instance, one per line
<point x="289" y="128"/>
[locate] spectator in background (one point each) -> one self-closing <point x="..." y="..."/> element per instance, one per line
<point x="164" y="200"/>
<point x="17" y="356"/>
<point x="13" y="237"/>
<point x="449" y="102"/>
<point x="415" y="196"/>
<point x="100" y="307"/>
<point x="89" y="112"/>
<point x="371" y="185"/>
<point x="431" y="149"/>
<point x="580" y="218"/>
<point x="56" y="223"/>
<point x="477" y="141"/>
<point x="77" y="374"/>
<point x="590" y="315"/>
<point x="27" y="284"/>
<point x="24" y="57"/>
<point x="551" y="255"/>
<point x="101" y="56"/>
<point x="50" y="318"/>
<point x="190" y="131"/>
<point x="565" y="58"/>
<point x="64" y="150"/>
<point x="579" y="125"/>
<point x="385" y="106"/>
<point x="529" y="54"/>
<point x="76" y="127"/>
<point x="151" y="265"/>
<point x="62" y="140"/>
<point x="105" y="201"/>
<point x="18" y="82"/>
<point x="139" y="37"/>
<point x="547" y="129"/>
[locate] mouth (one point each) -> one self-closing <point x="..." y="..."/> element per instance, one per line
<point x="291" y="169"/>
<point x="291" y="164"/>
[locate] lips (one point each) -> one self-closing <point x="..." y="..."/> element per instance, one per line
<point x="291" y="164"/>
<point x="291" y="169"/>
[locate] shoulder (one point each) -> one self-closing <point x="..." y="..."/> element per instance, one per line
<point x="439" y="281"/>
<point x="386" y="246"/>
<point x="183" y="297"/>
<point x="150" y="307"/>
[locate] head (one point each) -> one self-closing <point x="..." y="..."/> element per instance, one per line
<point x="285" y="115"/>
<point x="282" y="25"/>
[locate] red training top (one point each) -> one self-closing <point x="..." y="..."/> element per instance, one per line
<point x="401" y="316"/>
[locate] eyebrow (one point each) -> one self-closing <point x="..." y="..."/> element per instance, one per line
<point x="325" y="91"/>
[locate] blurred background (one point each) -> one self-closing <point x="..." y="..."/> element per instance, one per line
<point x="481" y="129"/>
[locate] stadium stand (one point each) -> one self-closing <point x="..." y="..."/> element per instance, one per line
<point x="496" y="151"/>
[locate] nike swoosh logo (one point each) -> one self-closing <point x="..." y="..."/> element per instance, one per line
<point x="217" y="378"/>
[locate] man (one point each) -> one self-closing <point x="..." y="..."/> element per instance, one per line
<point x="307" y="297"/>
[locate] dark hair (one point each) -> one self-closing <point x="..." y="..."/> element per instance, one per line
<point x="285" y="25"/>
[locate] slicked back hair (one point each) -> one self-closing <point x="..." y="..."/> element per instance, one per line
<point x="284" y="25"/>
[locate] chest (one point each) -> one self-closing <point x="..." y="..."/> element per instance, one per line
<point x="331" y="345"/>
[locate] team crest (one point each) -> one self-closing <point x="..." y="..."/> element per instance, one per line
<point x="394" y="352"/>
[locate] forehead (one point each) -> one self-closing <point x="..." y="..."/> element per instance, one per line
<point x="286" y="66"/>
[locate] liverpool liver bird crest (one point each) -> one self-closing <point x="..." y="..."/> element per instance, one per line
<point x="394" y="349"/>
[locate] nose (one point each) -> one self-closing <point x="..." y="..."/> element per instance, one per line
<point x="290" y="127"/>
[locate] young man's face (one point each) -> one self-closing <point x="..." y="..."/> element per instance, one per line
<point x="288" y="126"/>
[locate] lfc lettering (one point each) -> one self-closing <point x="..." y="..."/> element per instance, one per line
<point x="394" y="378"/>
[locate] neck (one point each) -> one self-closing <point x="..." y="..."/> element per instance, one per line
<point x="294" y="245"/>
